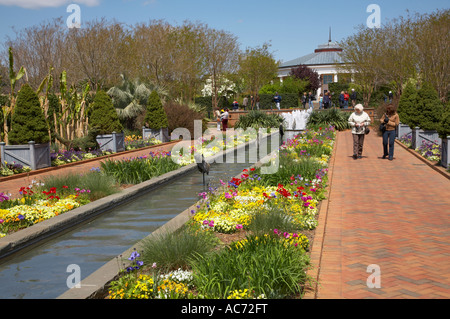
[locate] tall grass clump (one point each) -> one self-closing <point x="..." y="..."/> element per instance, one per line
<point x="264" y="265"/>
<point x="274" y="218"/>
<point x="306" y="167"/>
<point x="99" y="185"/>
<point x="172" y="250"/>
<point x="138" y="170"/>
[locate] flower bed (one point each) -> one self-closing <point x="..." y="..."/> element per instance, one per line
<point x="245" y="268"/>
<point x="37" y="205"/>
<point x="34" y="208"/>
<point x="428" y="150"/>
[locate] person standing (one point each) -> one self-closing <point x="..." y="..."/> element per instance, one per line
<point x="346" y="98"/>
<point x="218" y="119"/>
<point x="304" y="100"/>
<point x="358" y="121"/>
<point x="252" y="102"/>
<point x="224" y="117"/>
<point x="326" y="100"/>
<point x="277" y="100"/>
<point x="321" y="101"/>
<point x="245" y="103"/>
<point x="353" y="97"/>
<point x="341" y="100"/>
<point x="310" y="100"/>
<point x="235" y="105"/>
<point x="391" y="121"/>
<point x="257" y="99"/>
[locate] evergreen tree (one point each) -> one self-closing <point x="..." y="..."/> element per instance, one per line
<point x="407" y="106"/>
<point x="444" y="124"/>
<point x="28" y="121"/>
<point x="103" y="115"/>
<point x="156" y="117"/>
<point x="429" y="108"/>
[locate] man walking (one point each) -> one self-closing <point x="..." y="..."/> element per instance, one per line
<point x="277" y="100"/>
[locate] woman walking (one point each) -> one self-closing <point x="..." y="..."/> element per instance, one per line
<point x="358" y="121"/>
<point x="391" y="120"/>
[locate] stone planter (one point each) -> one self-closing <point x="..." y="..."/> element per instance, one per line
<point x="415" y="138"/>
<point x="36" y="156"/>
<point x="113" y="142"/>
<point x="445" y="152"/>
<point x="403" y="130"/>
<point x="161" y="134"/>
<point x="419" y="136"/>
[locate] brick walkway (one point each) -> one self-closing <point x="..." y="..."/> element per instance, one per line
<point x="392" y="214"/>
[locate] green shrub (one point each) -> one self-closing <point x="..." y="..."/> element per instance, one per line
<point x="103" y="115"/>
<point x="406" y="106"/>
<point x="205" y="102"/>
<point x="420" y="108"/>
<point x="28" y="121"/>
<point x="444" y="124"/>
<point x="155" y="117"/>
<point x="288" y="100"/>
<point x="429" y="108"/>
<point x="290" y="85"/>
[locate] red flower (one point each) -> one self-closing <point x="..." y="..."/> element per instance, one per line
<point x="252" y="169"/>
<point x="66" y="187"/>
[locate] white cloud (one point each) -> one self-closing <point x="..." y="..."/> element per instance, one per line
<point x="36" y="4"/>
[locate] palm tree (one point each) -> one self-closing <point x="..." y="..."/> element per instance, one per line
<point x="130" y="99"/>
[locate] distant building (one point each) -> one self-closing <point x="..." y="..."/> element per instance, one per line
<point x="325" y="61"/>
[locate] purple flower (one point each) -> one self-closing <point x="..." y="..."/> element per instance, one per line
<point x="134" y="255"/>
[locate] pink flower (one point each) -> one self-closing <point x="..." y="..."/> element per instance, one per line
<point x="227" y="195"/>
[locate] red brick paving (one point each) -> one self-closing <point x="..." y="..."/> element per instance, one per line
<point x="394" y="214"/>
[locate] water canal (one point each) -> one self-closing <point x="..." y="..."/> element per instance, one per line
<point x="41" y="272"/>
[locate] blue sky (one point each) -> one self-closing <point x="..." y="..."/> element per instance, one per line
<point x="293" y="27"/>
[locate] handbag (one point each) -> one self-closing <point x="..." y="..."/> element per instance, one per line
<point x="367" y="130"/>
<point x="382" y="127"/>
